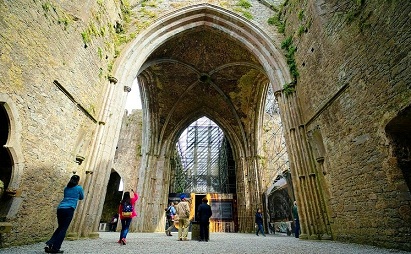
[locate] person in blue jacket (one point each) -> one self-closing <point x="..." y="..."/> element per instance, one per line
<point x="65" y="212"/>
<point x="259" y="222"/>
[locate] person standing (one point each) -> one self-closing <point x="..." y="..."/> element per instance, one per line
<point x="204" y="213"/>
<point x="127" y="212"/>
<point x="113" y="223"/>
<point x="183" y="213"/>
<point x="259" y="222"/>
<point x="296" y="220"/>
<point x="65" y="212"/>
<point x="170" y="213"/>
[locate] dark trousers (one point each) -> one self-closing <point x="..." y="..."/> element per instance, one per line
<point x="64" y="217"/>
<point x="125" y="225"/>
<point x="204" y="231"/>
<point x="113" y="227"/>
<point x="260" y="229"/>
<point x="297" y="229"/>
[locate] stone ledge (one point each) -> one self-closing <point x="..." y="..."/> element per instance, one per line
<point x="5" y="227"/>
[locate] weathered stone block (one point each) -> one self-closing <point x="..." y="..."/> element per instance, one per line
<point x="5" y="227"/>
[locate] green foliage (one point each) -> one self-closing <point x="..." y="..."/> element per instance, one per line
<point x="288" y="88"/>
<point x="359" y="2"/>
<point x="242" y="7"/>
<point x="300" y="15"/>
<point x="243" y="12"/>
<point x="274" y="20"/>
<point x="148" y="13"/>
<point x="287" y="43"/>
<point x="100" y="53"/>
<point x="352" y="15"/>
<point x="46" y="7"/>
<point x="86" y="37"/>
<point x="290" y="49"/>
<point x="110" y="66"/>
<point x="125" y="10"/>
<point x="102" y="31"/>
<point x="244" y="4"/>
<point x="93" y="29"/>
<point x="100" y="2"/>
<point x="64" y="20"/>
<point x="248" y="15"/>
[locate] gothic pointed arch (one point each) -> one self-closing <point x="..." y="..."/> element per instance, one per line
<point x="204" y="15"/>
<point x="201" y="60"/>
<point x="12" y="151"/>
<point x="219" y="120"/>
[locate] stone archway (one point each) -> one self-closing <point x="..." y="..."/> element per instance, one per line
<point x="113" y="197"/>
<point x="204" y="59"/>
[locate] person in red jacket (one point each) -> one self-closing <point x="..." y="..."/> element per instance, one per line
<point x="127" y="213"/>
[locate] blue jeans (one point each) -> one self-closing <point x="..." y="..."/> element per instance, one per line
<point x="125" y="225"/>
<point x="64" y="217"/>
<point x="260" y="228"/>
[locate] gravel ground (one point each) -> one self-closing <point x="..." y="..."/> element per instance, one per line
<point x="226" y="243"/>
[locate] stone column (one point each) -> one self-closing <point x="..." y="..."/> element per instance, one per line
<point x="249" y="187"/>
<point x="108" y="151"/>
<point x="308" y="192"/>
<point x="242" y="200"/>
<point x="87" y="215"/>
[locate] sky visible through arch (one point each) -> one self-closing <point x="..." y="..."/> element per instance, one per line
<point x="133" y="98"/>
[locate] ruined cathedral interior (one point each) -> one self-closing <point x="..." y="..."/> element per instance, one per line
<point x="252" y="104"/>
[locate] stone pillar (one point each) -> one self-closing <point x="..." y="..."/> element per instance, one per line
<point x="88" y="213"/>
<point x="108" y="151"/>
<point x="248" y="184"/>
<point x="149" y="201"/>
<point x="308" y="192"/>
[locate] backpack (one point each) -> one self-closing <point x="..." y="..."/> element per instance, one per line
<point x="168" y="212"/>
<point x="127" y="210"/>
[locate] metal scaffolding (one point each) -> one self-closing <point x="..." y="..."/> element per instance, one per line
<point x="200" y="163"/>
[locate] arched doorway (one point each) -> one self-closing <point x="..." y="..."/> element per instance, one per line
<point x="113" y="196"/>
<point x="201" y="60"/>
<point x="203" y="166"/>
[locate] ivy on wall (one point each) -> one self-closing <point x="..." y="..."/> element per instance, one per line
<point x="287" y="46"/>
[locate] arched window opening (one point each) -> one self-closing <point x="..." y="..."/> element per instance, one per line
<point x="203" y="161"/>
<point x="6" y="161"/>
<point x="398" y="130"/>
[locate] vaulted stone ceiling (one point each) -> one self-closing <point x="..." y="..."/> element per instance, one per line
<point x="199" y="72"/>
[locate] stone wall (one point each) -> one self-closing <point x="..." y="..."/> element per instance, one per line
<point x="127" y="161"/>
<point x="354" y="77"/>
<point x="56" y="62"/>
<point x="55" y="85"/>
